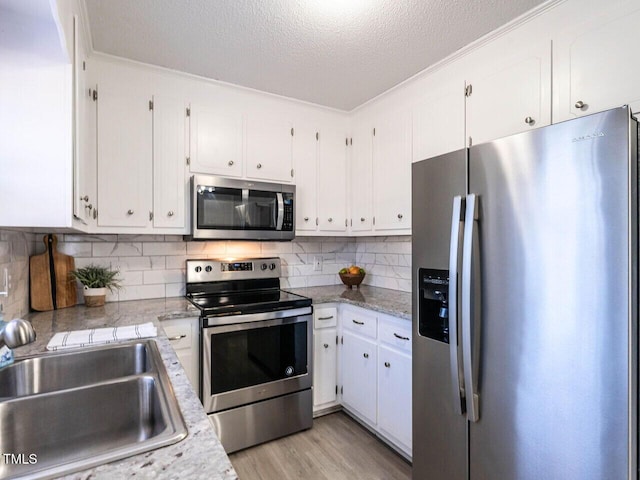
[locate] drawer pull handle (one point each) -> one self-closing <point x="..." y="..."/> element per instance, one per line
<point x="387" y="364"/>
<point x="366" y="355"/>
<point x="178" y="337"/>
<point x="326" y="345"/>
<point x="326" y="318"/>
<point x="400" y="337"/>
<point x="357" y="322"/>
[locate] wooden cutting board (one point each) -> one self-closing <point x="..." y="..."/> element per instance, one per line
<point x="52" y="286"/>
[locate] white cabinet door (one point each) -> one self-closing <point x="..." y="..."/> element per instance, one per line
<point x="596" y="65"/>
<point x="512" y="96"/>
<point x="359" y="375"/>
<point x="170" y="130"/>
<point x="84" y="154"/>
<point x="184" y="335"/>
<point x="216" y="141"/>
<point x="324" y="366"/>
<point x="394" y="395"/>
<point x="438" y="121"/>
<point x="332" y="180"/>
<point x="124" y="158"/>
<point x="361" y="178"/>
<point x="392" y="172"/>
<point x="269" y="148"/>
<point x="305" y="155"/>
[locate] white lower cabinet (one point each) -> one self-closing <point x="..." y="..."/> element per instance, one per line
<point x="394" y="396"/>
<point x="184" y="335"/>
<point x="359" y="376"/>
<point x="374" y="360"/>
<point x="325" y="357"/>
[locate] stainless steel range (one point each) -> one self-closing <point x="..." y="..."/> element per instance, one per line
<point x="256" y="350"/>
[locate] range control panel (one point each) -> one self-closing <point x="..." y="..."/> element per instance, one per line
<point x="232" y="269"/>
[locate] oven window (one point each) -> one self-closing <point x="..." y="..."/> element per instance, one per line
<point x="258" y="355"/>
<point x="236" y="209"/>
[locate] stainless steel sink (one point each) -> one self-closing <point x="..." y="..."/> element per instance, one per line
<point x="98" y="405"/>
<point x="60" y="371"/>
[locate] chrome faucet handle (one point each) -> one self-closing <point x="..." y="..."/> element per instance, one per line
<point x="16" y="333"/>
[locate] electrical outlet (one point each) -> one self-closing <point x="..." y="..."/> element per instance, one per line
<point x="317" y="264"/>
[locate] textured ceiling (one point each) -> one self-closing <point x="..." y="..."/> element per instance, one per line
<point x="338" y="53"/>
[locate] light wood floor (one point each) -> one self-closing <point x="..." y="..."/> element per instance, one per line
<point x="336" y="448"/>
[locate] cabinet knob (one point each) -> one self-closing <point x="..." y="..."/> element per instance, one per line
<point x="130" y="212"/>
<point x="366" y="355"/>
<point x="170" y="213"/>
<point x="259" y="166"/>
<point x="362" y="219"/>
<point x="85" y="198"/>
<point x="230" y="163"/>
<point x="529" y="121"/>
<point x="580" y="104"/>
<point x="326" y="345"/>
<point x="387" y="364"/>
<point x="306" y="219"/>
<point x="89" y="206"/>
<point x="330" y="219"/>
<point x="400" y="216"/>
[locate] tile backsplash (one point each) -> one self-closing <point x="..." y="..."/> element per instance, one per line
<point x="14" y="257"/>
<point x="153" y="266"/>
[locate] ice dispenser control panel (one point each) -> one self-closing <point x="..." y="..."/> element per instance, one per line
<point x="433" y="306"/>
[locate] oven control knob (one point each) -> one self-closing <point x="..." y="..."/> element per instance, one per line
<point x="263" y="266"/>
<point x="272" y="266"/>
<point x="288" y="371"/>
<point x="208" y="269"/>
<point x="198" y="269"/>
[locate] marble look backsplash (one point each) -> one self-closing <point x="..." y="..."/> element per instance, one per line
<point x="153" y="266"/>
<point x="14" y="256"/>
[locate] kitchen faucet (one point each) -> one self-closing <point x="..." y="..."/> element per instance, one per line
<point x="16" y="333"/>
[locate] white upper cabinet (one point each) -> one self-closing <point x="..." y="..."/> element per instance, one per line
<point x="84" y="128"/>
<point x="305" y="155"/>
<point x="438" y="121"/>
<point x="510" y="95"/>
<point x="125" y="122"/>
<point x="170" y="134"/>
<point x="332" y="179"/>
<point x="269" y="148"/>
<point x="360" y="177"/>
<point x="595" y="64"/>
<point x="392" y="171"/>
<point x="216" y="141"/>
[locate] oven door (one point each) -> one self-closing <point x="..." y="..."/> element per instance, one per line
<point x="257" y="357"/>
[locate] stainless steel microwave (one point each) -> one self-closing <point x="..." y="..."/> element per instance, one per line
<point x="227" y="209"/>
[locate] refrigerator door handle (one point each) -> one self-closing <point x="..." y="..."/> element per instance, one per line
<point x="454" y="256"/>
<point x="468" y="305"/>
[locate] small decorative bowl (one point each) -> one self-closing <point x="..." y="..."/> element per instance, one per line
<point x="351" y="279"/>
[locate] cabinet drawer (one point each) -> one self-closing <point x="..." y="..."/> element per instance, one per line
<point x="359" y="321"/>
<point x="395" y="333"/>
<point x="179" y="335"/>
<point x="325" y="317"/>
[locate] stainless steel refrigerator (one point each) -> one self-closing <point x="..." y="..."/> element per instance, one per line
<point x="525" y="312"/>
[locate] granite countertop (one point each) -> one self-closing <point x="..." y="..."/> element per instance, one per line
<point x="384" y="300"/>
<point x="200" y="455"/>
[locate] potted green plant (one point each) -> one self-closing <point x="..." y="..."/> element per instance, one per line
<point x="96" y="280"/>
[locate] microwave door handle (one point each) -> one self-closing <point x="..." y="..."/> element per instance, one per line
<point x="280" y="211"/>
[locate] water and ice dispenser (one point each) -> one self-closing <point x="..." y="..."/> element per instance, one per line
<point x="433" y="309"/>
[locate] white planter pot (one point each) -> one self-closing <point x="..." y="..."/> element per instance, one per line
<point x="94" y="297"/>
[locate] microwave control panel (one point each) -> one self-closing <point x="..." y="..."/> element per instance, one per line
<point x="287" y="222"/>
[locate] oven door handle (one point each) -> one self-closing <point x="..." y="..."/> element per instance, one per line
<point x="256" y="317"/>
<point x="280" y="211"/>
